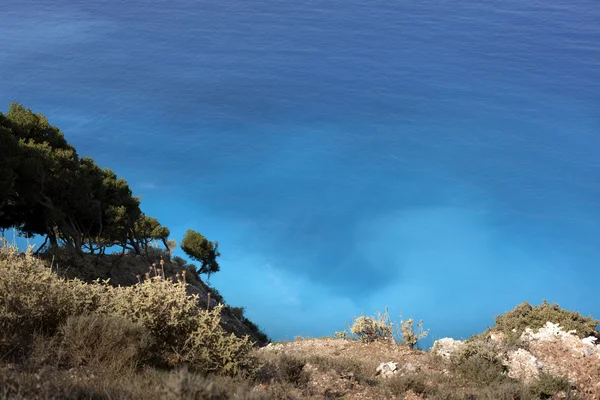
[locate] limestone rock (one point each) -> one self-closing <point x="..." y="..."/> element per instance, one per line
<point x="523" y="365"/>
<point x="446" y="346"/>
<point x="387" y="369"/>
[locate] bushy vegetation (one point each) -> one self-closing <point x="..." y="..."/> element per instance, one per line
<point x="525" y="315"/>
<point x="103" y="341"/>
<point x="412" y="334"/>
<point x="48" y="190"/>
<point x="380" y="327"/>
<point x="197" y="247"/>
<point x="370" y="329"/>
<point x="478" y="361"/>
<point x="156" y="311"/>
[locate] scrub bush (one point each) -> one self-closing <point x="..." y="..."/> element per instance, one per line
<point x="370" y="329"/>
<point x="107" y="341"/>
<point x="535" y="317"/>
<point x="35" y="301"/>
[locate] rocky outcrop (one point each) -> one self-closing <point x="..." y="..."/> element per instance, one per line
<point x="387" y="369"/>
<point x="553" y="333"/>
<point x="446" y="347"/>
<point x="523" y="365"/>
<point x="391" y="368"/>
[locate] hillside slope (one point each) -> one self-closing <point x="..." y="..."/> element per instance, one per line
<point x="126" y="270"/>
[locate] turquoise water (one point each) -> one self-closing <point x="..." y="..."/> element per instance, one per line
<point x="437" y="157"/>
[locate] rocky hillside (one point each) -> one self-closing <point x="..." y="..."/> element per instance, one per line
<point x="547" y="364"/>
<point x="126" y="270"/>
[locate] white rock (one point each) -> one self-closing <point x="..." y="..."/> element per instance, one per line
<point x="523" y="365"/>
<point x="590" y="341"/>
<point x="387" y="369"/>
<point x="446" y="346"/>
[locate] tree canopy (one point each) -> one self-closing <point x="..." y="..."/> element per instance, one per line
<point x="200" y="249"/>
<point x="47" y="189"/>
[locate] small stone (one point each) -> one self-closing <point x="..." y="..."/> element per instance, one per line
<point x="387" y="369"/>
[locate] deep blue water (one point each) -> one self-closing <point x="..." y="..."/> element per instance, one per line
<point x="437" y="157"/>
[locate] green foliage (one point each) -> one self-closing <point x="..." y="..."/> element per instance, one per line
<point x="548" y="385"/>
<point x="261" y="337"/>
<point x="200" y="249"/>
<point x="477" y="361"/>
<point x="524" y="315"/>
<point x="148" y="229"/>
<point x="47" y="189"/>
<point x="238" y="312"/>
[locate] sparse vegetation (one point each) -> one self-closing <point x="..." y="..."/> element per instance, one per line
<point x="369" y="329"/>
<point x="412" y="334"/>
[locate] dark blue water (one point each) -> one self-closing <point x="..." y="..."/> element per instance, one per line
<point x="438" y="157"/>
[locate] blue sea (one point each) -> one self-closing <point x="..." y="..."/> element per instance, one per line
<point x="437" y="157"/>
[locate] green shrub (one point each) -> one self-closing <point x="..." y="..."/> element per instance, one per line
<point x="104" y="340"/>
<point x="477" y="361"/>
<point x="524" y="315"/>
<point x="256" y="331"/>
<point x="238" y="312"/>
<point x="548" y="385"/>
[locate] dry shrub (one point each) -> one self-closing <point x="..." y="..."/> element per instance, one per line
<point x="104" y="340"/>
<point x="34" y="300"/>
<point x="291" y="370"/>
<point x="412" y="334"/>
<point x="370" y="329"/>
<point x="182" y="385"/>
<point x="160" y="305"/>
<point x="398" y="385"/>
<point x="210" y="349"/>
<point x="345" y="367"/>
<point x="148" y="384"/>
<point x="282" y="371"/>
